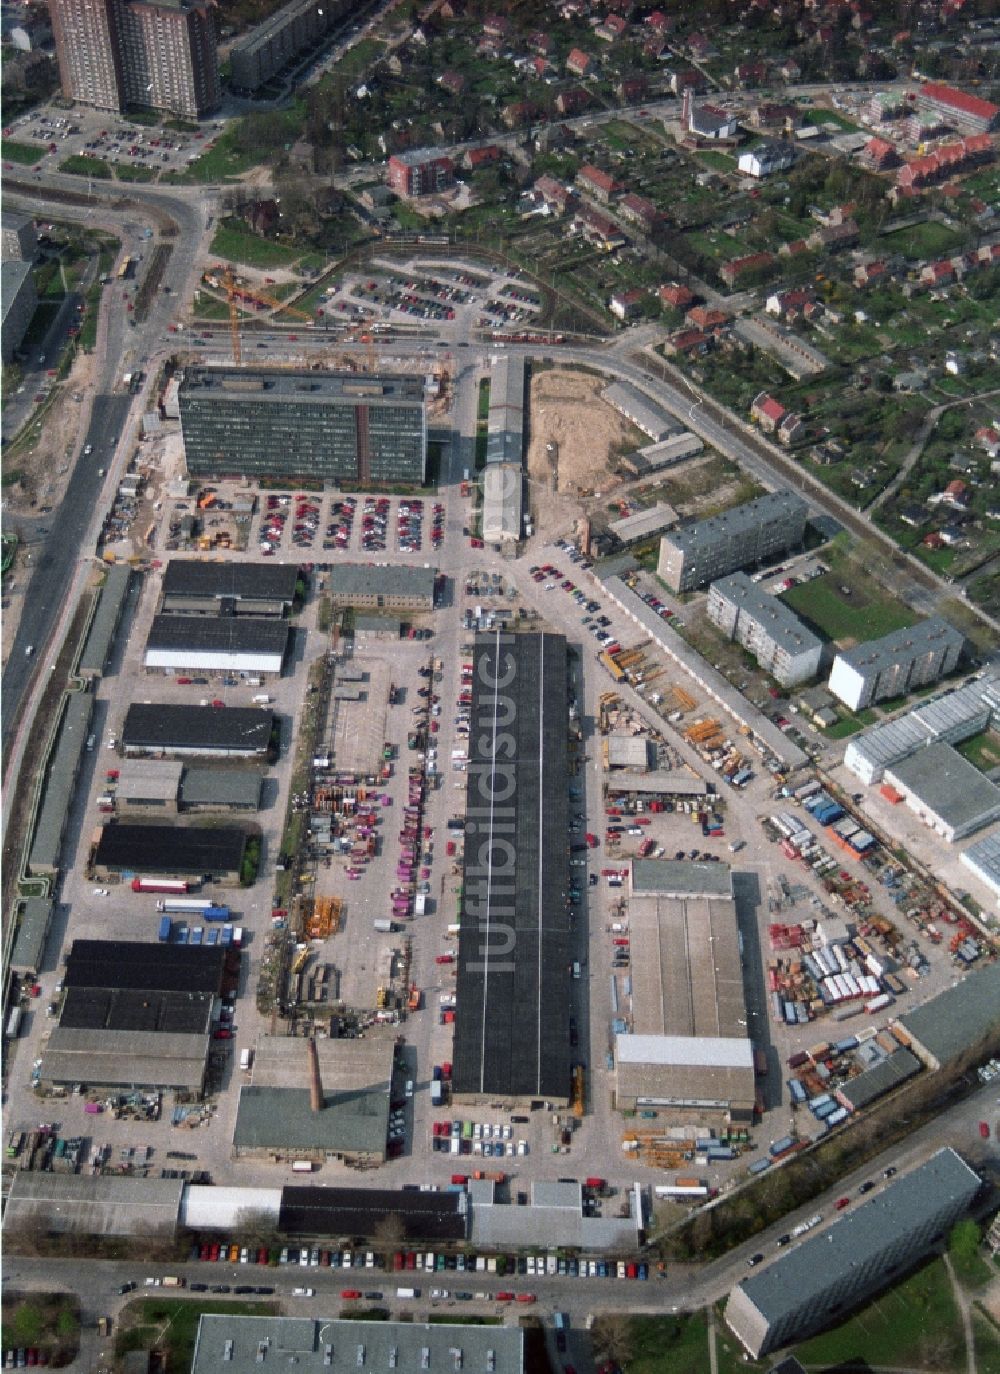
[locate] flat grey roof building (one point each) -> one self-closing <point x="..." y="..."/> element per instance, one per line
<point x="354" y="1347"/>
<point x="710" y="548"/>
<point x="764" y="625"/>
<point x="946" y="791"/>
<point x="959" y="1023"/>
<point x="553" y="1217"/>
<point x="222" y="789"/>
<point x="816" y="1282"/>
<point x="94" y="1205"/>
<point x="881" y="1078"/>
<point x="60" y="783"/>
<point x="100" y="636"/>
<point x="126" y="1059"/>
<point x="628" y="751"/>
<point x="351" y="1125"/>
<point x="382" y="585"/>
<point x="896" y="664"/>
<point x="502" y="501"/>
<point x="34" y="920"/>
<point x="682" y="878"/>
<point x="18" y="301"/>
<point x="656" y="783"/>
<point x="644" y="413"/>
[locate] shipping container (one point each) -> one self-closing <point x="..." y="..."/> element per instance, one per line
<point x="166" y="928"/>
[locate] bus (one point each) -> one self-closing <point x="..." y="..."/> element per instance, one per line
<point x="125" y="270"/>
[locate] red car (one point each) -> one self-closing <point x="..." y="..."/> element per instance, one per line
<point x="505" y="1297"/>
<point x="984" y="1129"/>
<point x="222" y="1034"/>
<point x="350" y="1293"/>
<point x="526" y="1297"/>
<point x="841" y="1203"/>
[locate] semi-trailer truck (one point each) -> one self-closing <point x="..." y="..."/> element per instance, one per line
<point x="174" y="886"/>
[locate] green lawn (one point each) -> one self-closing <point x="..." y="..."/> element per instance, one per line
<point x="27" y="153"/>
<point x="237" y="244"/>
<point x="983" y="750"/>
<point x="678" y="1344"/>
<point x="914" y="1325"/>
<point x="220" y="163"/>
<point x="128" y="171"/>
<point x="927" y="240"/>
<point x="867" y="613"/>
<point x="81" y="166"/>
<point x="821" y="117"/>
<point x="850" y="723"/>
<point x="987" y="1340"/>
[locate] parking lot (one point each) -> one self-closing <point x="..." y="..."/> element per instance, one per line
<point x="423" y="292"/>
<point x="152" y="149"/>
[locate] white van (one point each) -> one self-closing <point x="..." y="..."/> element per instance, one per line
<point x="262" y="699"/>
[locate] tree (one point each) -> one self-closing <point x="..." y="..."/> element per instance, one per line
<point x="612" y="1336"/>
<point x="389" y="1233"/>
<point x="963" y="1241"/>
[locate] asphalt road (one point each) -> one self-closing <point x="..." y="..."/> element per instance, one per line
<point x="54" y="558"/>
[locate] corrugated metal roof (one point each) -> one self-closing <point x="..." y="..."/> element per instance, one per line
<point x="102" y="1204"/>
<point x="681" y="878"/>
<point x="690" y="1051"/>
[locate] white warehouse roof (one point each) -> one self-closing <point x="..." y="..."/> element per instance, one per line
<point x="227" y="1208"/>
<point x="691" y="1051"/>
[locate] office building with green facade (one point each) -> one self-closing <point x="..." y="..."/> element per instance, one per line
<point x="340" y="427"/>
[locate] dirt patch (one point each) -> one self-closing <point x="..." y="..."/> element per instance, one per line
<point x="584" y="432"/>
<point x="702" y="486"/>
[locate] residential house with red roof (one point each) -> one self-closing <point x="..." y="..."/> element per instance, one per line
<point x="596" y="183"/>
<point x="580" y="63"/>
<point x="787" y="304"/>
<point x="572" y="101"/>
<point x="704" y="317"/>
<point x="958" y="109"/>
<point x="613" y="28"/>
<point x="879" y="155"/>
<point x="768" y="412"/>
<point x="680" y="297"/>
<point x="737" y="268"/>
<point x="638" y="210"/>
<point x="687" y="341"/>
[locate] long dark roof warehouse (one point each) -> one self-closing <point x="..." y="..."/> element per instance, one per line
<point x="512" y="1018"/>
<point x="236" y="732"/>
